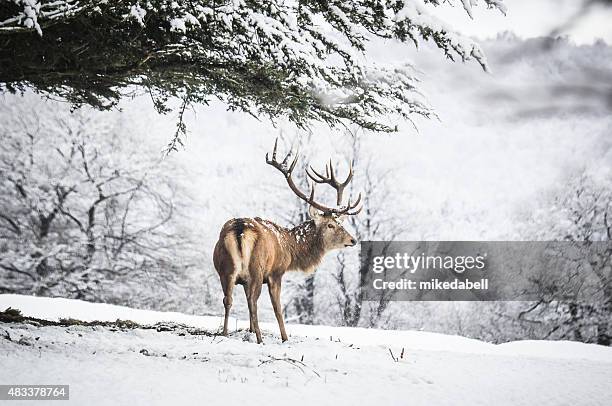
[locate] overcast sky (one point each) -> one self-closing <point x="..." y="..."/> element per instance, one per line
<point x="532" y="18"/>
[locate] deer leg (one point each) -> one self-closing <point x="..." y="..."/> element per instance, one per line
<point x="246" y="292"/>
<point x="228" y="287"/>
<point x="274" y="288"/>
<point x="253" y="295"/>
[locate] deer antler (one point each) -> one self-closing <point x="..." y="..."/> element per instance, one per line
<point x="330" y="179"/>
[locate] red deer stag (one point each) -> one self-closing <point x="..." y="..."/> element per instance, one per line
<point x="251" y="252"/>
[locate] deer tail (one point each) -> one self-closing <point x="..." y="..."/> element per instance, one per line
<point x="240" y="244"/>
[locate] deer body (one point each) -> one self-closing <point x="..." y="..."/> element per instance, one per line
<point x="254" y="252"/>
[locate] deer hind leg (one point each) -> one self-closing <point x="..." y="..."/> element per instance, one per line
<point x="274" y="288"/>
<point x="246" y="293"/>
<point x="228" y="287"/>
<point x="253" y="292"/>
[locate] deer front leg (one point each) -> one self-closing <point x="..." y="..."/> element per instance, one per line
<point x="254" y="291"/>
<point x="274" y="288"/>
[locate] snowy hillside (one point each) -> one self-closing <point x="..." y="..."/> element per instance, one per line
<point x="327" y="365"/>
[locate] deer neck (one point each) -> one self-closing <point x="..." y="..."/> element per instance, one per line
<point x="307" y="248"/>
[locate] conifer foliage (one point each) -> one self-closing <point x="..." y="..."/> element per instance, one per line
<point x="301" y="59"/>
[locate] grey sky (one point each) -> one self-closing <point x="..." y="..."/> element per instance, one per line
<point x="532" y="18"/>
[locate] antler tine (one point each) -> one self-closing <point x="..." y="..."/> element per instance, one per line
<point x="351" y="206"/>
<point x="312" y="192"/>
<point x="330" y="179"/>
<point x="282" y="166"/>
<point x="331" y="175"/>
<point x="268" y="160"/>
<point x="317" y="177"/>
<point x="294" y="162"/>
<point x="354" y="213"/>
<point x="349" y="177"/>
<point x="287" y="157"/>
<point x="286" y="171"/>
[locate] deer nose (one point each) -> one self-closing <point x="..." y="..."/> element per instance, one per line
<point x="353" y="241"/>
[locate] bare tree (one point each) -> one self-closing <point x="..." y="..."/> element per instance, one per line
<point x="375" y="223"/>
<point x="576" y="302"/>
<point x="84" y="214"/>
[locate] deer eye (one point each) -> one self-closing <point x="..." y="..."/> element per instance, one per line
<point x="330" y="225"/>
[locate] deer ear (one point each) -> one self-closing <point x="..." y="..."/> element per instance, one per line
<point x="314" y="214"/>
<point x="341" y="218"/>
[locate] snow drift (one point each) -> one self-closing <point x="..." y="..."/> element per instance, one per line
<point x="326" y="365"/>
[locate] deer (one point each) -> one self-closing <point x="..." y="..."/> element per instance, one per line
<point x="252" y="251"/>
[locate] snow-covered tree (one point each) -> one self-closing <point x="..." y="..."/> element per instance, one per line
<point x="576" y="302"/>
<point x="302" y="59"/>
<point x="83" y="212"/>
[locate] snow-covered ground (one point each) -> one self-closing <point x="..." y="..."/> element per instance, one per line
<point x="321" y="365"/>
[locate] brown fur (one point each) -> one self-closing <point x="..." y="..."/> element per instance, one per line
<point x="253" y="252"/>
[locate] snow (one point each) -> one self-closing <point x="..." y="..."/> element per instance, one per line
<point x="467" y="5"/>
<point x="178" y="24"/>
<point x="326" y="365"/>
<point x="138" y="13"/>
<point x="30" y="12"/>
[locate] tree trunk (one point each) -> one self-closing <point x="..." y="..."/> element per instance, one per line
<point x="304" y="303"/>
